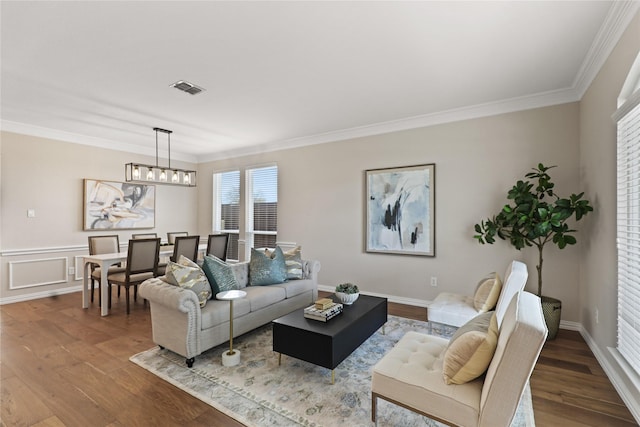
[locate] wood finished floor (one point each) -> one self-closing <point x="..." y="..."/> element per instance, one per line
<point x="61" y="365"/>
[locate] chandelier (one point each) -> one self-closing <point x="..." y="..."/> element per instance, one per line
<point x="156" y="174"/>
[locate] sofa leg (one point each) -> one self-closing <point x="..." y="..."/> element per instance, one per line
<point x="161" y="347"/>
<point x="190" y="362"/>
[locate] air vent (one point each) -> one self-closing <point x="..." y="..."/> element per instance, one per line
<point x="190" y="88"/>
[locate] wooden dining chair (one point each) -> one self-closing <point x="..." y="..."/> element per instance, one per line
<point x="217" y="245"/>
<point x="106" y="244"/>
<point x="184" y="245"/>
<point x="171" y="236"/>
<point x="142" y="264"/>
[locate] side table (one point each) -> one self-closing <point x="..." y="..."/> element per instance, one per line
<point x="231" y="357"/>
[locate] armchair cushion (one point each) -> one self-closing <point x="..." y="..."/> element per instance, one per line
<point x="188" y="275"/>
<point x="487" y="293"/>
<point x="470" y="350"/>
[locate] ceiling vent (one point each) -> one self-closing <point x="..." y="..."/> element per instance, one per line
<point x="190" y="88"/>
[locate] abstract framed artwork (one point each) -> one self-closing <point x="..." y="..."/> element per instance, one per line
<point x="118" y="205"/>
<point x="401" y="210"/>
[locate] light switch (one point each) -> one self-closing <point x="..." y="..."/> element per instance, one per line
<point x="31" y="213"/>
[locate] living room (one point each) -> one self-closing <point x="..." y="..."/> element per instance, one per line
<point x="478" y="152"/>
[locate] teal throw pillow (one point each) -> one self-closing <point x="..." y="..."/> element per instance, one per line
<point x="220" y="275"/>
<point x="264" y="270"/>
<point x="292" y="260"/>
<point x="188" y="275"/>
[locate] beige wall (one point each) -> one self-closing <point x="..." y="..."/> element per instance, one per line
<point x="598" y="272"/>
<point x="321" y="201"/>
<point x="47" y="175"/>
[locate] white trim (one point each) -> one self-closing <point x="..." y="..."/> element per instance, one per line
<point x="37" y="251"/>
<point x="79" y="267"/>
<point x="41" y="294"/>
<point x="390" y="298"/>
<point x="75" y="138"/>
<point x="64" y="279"/>
<point x="618" y="18"/>
<point x="544" y="99"/>
<point x="629" y="397"/>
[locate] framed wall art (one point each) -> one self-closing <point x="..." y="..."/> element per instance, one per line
<point x="401" y="210"/>
<point x="118" y="205"/>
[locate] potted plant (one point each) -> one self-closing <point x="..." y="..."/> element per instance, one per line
<point x="537" y="216"/>
<point x="347" y="293"/>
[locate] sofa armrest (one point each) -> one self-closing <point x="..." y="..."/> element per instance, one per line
<point x="176" y="318"/>
<point x="158" y="291"/>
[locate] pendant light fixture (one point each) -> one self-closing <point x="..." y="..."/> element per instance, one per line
<point x="136" y="172"/>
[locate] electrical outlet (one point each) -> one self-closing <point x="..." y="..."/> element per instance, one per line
<point x="31" y="213"/>
<point x="72" y="271"/>
<point x="597" y="316"/>
<point x="434" y="281"/>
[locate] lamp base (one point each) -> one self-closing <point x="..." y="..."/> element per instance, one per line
<point x="230" y="359"/>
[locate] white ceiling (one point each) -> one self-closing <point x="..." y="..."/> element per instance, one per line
<point x="280" y="74"/>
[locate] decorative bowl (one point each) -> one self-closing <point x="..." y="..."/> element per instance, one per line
<point x="347" y="299"/>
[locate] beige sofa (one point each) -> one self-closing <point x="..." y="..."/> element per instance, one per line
<point x="411" y="374"/>
<point x="180" y="325"/>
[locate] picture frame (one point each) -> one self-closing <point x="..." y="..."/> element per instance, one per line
<point x="118" y="205"/>
<point x="400" y="210"/>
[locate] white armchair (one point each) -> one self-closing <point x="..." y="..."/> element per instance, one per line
<point x="411" y="374"/>
<point x="456" y="309"/>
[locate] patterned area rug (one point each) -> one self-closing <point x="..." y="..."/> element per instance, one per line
<point x="258" y="392"/>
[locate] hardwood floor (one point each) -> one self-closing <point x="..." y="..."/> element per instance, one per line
<point x="61" y="365"/>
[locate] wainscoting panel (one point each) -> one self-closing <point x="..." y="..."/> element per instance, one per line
<point x="37" y="272"/>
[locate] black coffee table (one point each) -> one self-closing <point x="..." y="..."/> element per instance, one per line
<point x="328" y="344"/>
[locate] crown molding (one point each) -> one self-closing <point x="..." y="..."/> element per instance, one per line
<point x="74" y="138"/>
<point x="527" y="102"/>
<point x="616" y="22"/>
<point x="618" y="18"/>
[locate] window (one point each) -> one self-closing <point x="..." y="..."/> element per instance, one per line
<point x="226" y="213"/>
<point x="262" y="207"/>
<point x="628" y="219"/>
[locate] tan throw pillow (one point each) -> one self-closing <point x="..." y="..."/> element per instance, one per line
<point x="471" y="349"/>
<point x="188" y="275"/>
<point x="487" y="293"/>
<point x="292" y="260"/>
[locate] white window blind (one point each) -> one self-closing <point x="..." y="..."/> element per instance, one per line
<point x="628" y="233"/>
<point x="227" y="208"/>
<point x="262" y="206"/>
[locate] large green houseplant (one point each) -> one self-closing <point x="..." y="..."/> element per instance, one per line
<point x="536" y="216"/>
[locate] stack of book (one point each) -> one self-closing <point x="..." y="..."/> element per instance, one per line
<point x="323" y="310"/>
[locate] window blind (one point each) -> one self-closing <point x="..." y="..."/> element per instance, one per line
<point x="262" y="205"/>
<point x="628" y="234"/>
<point x="227" y="208"/>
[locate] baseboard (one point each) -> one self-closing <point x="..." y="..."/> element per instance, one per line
<point x="629" y="397"/>
<point x="43" y="294"/>
<point x="390" y="298"/>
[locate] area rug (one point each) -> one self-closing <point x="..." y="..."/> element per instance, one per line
<point x="258" y="392"/>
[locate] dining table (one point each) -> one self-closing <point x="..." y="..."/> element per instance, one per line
<point x="104" y="261"/>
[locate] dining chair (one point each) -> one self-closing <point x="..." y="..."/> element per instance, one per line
<point x="217" y="245"/>
<point x="144" y="236"/>
<point x="171" y="236"/>
<point x="184" y="245"/>
<point x="142" y="264"/>
<point x="98" y="245"/>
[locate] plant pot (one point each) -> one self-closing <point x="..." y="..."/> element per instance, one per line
<point x="347" y="299"/>
<point x="551" y="309"/>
